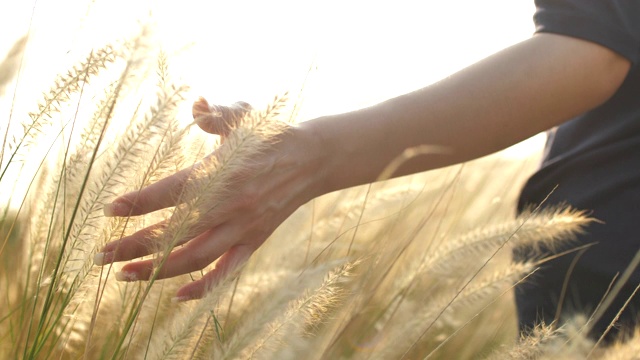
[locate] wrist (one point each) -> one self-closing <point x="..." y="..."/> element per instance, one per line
<point x="317" y="157"/>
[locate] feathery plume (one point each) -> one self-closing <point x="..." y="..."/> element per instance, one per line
<point x="623" y="349"/>
<point x="310" y="310"/>
<point x="65" y="86"/>
<point x="530" y="346"/>
<point x="406" y="336"/>
<point x="547" y="229"/>
<point x="258" y="324"/>
<point x="178" y="340"/>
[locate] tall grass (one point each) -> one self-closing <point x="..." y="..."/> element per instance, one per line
<point x="416" y="267"/>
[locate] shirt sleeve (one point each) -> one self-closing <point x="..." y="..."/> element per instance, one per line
<point x="614" y="24"/>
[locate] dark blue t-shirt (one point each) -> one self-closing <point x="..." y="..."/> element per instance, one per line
<point x="592" y="162"/>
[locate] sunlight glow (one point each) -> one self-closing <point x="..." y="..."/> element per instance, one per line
<point x="344" y="54"/>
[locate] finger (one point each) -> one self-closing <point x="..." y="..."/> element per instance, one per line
<point x="136" y="245"/>
<point x="218" y="119"/>
<point x="162" y="194"/>
<point x="195" y="255"/>
<point x="141" y="243"/>
<point x="155" y="238"/>
<point x="227" y="264"/>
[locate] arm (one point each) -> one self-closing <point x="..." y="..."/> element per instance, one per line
<point x="500" y="101"/>
<point x="506" y="98"/>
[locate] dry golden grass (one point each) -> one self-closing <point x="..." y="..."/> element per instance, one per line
<point x="416" y="267"/>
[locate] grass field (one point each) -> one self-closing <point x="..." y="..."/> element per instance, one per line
<point x="411" y="268"/>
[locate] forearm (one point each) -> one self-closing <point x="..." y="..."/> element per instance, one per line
<point x="493" y="104"/>
<point x="489" y="106"/>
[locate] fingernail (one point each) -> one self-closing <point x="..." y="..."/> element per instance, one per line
<point x="116" y="209"/>
<point x="126" y="276"/>
<point x="179" y="299"/>
<point x="103" y="258"/>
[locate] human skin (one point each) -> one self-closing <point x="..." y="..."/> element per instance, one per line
<point x="497" y="102"/>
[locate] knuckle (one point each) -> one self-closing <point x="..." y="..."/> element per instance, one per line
<point x="249" y="199"/>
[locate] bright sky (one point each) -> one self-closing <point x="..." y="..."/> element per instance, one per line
<point x="361" y="52"/>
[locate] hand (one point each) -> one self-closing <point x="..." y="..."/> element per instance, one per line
<point x="263" y="195"/>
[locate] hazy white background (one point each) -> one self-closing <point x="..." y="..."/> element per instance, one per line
<point x="359" y="52"/>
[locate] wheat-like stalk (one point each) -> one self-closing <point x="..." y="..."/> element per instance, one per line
<point x="442" y="311"/>
<point x="530" y="346"/>
<point x="9" y="68"/>
<point x="121" y="165"/>
<point x="11" y="63"/>
<point x="77" y="161"/>
<point x="65" y="86"/>
<point x="547" y="229"/>
<point x="310" y="309"/>
<point x="136" y="140"/>
<point x="178" y="340"/>
<point x="156" y="126"/>
<point x="405" y="288"/>
<point x="259" y="323"/>
<point x="624" y="348"/>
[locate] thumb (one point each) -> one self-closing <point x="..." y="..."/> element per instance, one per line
<point x="218" y="119"/>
